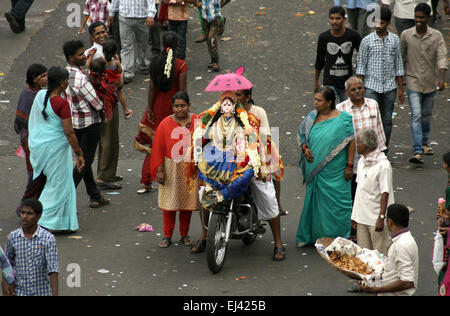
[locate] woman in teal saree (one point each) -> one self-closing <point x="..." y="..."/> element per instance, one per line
<point x="51" y="140"/>
<point x="326" y="138"/>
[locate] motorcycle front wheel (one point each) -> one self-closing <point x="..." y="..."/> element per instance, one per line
<point x="216" y="247"/>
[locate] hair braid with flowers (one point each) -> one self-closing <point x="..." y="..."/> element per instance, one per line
<point x="162" y="67"/>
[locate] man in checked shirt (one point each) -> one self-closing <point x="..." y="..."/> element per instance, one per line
<point x="33" y="255"/>
<point x="380" y="66"/>
<point x="87" y="110"/>
<point x="365" y="114"/>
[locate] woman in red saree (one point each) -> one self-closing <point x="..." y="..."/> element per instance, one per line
<point x="168" y="75"/>
<point x="170" y="145"/>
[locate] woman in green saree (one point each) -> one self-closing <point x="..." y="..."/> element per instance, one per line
<point x="327" y="141"/>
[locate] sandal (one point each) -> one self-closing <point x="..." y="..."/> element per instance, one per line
<point x="428" y="150"/>
<point x="199" y="246"/>
<point x="99" y="203"/>
<point x="279" y="254"/>
<point x="165" y="242"/>
<point x="186" y="240"/>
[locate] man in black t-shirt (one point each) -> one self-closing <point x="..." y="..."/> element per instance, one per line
<point x="334" y="53"/>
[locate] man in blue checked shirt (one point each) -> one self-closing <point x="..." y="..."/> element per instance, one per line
<point x="358" y="11"/>
<point x="33" y="255"/>
<point x="380" y="66"/>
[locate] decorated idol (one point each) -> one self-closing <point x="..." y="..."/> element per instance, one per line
<point x="225" y="150"/>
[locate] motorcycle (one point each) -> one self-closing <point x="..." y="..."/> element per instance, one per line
<point x="231" y="219"/>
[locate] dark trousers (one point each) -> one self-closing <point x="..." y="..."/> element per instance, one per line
<point x="115" y="33"/>
<point x="88" y="139"/>
<point x="20" y="9"/>
<point x="155" y="37"/>
<point x="386" y="103"/>
<point x="34" y="186"/>
<point x="180" y="27"/>
<point x="403" y="24"/>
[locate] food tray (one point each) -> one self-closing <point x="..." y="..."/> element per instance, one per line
<point x="326" y="242"/>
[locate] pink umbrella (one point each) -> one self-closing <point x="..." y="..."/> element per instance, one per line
<point x="229" y="82"/>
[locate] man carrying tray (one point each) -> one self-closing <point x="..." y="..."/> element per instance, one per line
<point x="401" y="267"/>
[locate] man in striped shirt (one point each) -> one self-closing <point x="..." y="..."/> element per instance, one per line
<point x="135" y="19"/>
<point x="87" y="111"/>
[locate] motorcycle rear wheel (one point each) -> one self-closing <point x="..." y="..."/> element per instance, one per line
<point x="216" y="247"/>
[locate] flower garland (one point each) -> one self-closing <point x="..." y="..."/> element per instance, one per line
<point x="252" y="149"/>
<point x="168" y="65"/>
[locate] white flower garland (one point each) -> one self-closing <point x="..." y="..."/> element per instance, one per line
<point x="168" y="66"/>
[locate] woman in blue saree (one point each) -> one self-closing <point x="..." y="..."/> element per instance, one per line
<point x="326" y="138"/>
<point x="51" y="140"/>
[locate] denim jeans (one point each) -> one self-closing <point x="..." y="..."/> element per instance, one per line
<point x="386" y="105"/>
<point x="340" y="94"/>
<point x="180" y="27"/>
<point x="421" y="107"/>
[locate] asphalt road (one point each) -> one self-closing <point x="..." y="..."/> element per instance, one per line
<point x="278" y="50"/>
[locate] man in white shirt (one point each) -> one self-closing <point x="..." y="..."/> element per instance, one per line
<point x="401" y="267"/>
<point x="373" y="194"/>
<point x="404" y="12"/>
<point x="99" y="35"/>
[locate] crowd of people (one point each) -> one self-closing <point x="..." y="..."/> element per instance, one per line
<point x="343" y="143"/>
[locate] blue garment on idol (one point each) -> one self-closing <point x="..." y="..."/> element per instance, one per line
<point x="223" y="163"/>
<point x="51" y="154"/>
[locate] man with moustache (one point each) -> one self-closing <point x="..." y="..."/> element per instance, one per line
<point x="99" y="36"/>
<point x="423" y="50"/>
<point x="108" y="152"/>
<point x="334" y="53"/>
<point x="365" y="115"/>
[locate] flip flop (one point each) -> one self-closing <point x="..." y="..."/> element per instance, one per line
<point x="279" y="254"/>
